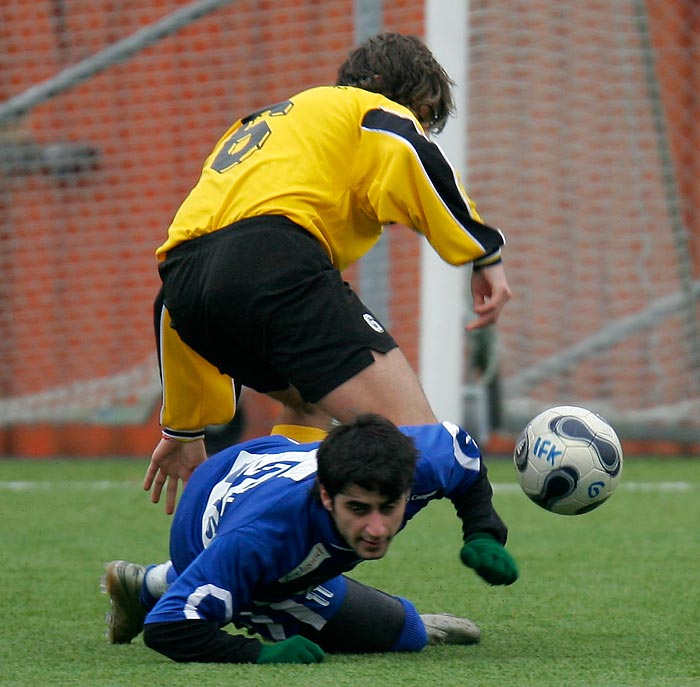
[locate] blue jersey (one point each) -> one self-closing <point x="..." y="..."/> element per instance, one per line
<point x="250" y="529"/>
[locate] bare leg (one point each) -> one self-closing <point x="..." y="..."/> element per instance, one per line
<point x="389" y="387"/>
<point x="296" y="412"/>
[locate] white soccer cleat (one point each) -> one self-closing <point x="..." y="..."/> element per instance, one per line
<point x="443" y="628"/>
<point x="122" y="581"/>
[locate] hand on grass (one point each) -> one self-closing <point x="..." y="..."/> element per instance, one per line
<point x="296" y="649"/>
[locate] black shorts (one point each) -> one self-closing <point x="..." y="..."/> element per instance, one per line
<point x="262" y="302"/>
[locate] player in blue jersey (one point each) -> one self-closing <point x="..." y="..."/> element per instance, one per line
<point x="266" y="529"/>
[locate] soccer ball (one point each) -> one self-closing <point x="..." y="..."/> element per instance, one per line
<point x="568" y="460"/>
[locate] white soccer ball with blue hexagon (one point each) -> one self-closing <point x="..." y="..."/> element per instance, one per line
<point x="568" y="460"/>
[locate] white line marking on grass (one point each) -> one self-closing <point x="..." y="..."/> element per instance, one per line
<point x="502" y="487"/>
<point x="512" y="487"/>
<point x="658" y="486"/>
<point x="18" y="485"/>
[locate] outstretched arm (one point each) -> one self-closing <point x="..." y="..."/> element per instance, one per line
<point x="451" y="465"/>
<point x="484" y="534"/>
<point x="195" y="394"/>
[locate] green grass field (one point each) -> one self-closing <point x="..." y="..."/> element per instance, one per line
<point x="604" y="599"/>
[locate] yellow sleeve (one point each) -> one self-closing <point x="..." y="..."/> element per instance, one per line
<point x="413" y="183"/>
<point x="195" y="393"/>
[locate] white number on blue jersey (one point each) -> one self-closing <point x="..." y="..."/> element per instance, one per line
<point x="249" y="471"/>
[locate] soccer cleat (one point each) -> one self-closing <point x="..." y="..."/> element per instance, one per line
<point x="122" y="581"/>
<point x="443" y="628"/>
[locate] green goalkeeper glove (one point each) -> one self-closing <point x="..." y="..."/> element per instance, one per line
<point x="489" y="559"/>
<point x="296" y="649"/>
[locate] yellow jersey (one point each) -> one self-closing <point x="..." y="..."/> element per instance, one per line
<point x="342" y="163"/>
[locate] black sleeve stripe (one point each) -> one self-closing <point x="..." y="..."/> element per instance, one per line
<point x="182" y="434"/>
<point x="439" y="172"/>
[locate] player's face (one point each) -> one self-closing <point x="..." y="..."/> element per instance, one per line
<point x="367" y="520"/>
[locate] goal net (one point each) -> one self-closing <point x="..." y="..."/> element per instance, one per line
<point x="582" y="145"/>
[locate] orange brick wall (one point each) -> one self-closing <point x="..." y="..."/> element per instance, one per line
<point x="675" y="36"/>
<point x="82" y="275"/>
<point x="77" y="262"/>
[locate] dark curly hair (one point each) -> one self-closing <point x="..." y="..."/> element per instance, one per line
<point x="370" y="452"/>
<point x="403" y="69"/>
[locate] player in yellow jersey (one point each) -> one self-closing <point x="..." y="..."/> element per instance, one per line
<point x="251" y="268"/>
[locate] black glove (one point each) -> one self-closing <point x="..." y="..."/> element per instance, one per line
<point x="489" y="559"/>
<point x="296" y="649"/>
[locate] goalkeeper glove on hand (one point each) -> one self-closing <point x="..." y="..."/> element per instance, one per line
<point x="489" y="559"/>
<point x="296" y="649"/>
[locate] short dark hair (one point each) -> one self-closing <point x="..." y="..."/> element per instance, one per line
<point x="370" y="452"/>
<point x="403" y="69"/>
